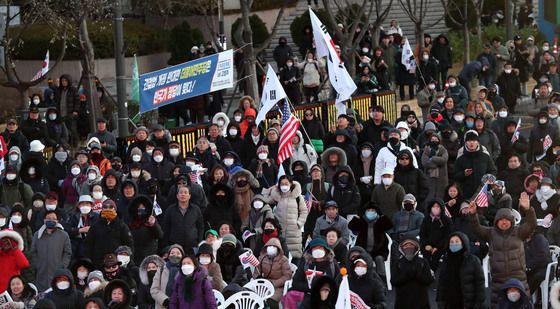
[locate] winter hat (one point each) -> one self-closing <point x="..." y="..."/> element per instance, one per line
<point x="110" y="260"/>
<point x="176" y="246"/>
<point x="402" y="125"/>
<point x="273" y="129"/>
<point x="319" y="241"/>
<point x="94" y="146"/>
<point x="409" y="197"/>
<point x="36" y="146"/>
<point x="387" y="171"/>
<point x="109" y="202"/>
<point x="123" y="249"/>
<point x="429" y="126"/>
<point x="438" y="135"/>
<point x="393" y="130"/>
<point x="135" y="151"/>
<point x="141" y="128"/>
<point x="96" y="274"/>
<point x="205" y="249"/>
<point x="85" y="198"/>
<point x="211" y="231"/>
<point x="471" y="135"/>
<point x="229" y="238"/>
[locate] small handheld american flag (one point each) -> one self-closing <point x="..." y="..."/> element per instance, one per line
<point x="249" y="259"/>
<point x="516" y="133"/>
<point x="481" y="199"/>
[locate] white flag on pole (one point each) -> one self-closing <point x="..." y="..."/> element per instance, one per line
<point x="343" y="300"/>
<point x="407" y="58"/>
<point x="272" y="93"/>
<point x="338" y="75"/>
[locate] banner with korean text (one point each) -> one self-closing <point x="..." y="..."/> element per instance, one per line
<point x="186" y="80"/>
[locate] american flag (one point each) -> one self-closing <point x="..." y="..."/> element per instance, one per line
<point x="44" y="69"/>
<point x="308" y="199"/>
<point x="547" y="142"/>
<point x="248" y="258"/>
<point x="516" y="133"/>
<point x="481" y="199"/>
<point x="290" y="126"/>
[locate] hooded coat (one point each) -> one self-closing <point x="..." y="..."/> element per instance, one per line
<point x="201" y="289"/>
<point x="468" y="270"/>
<point x="221" y="210"/>
<point x="313" y="300"/>
<point x="275" y="269"/>
<point x="331" y="170"/>
<point x="13" y="260"/>
<point x="387" y="159"/>
<point x="480" y="163"/>
<point x="145" y="299"/>
<point x="38" y="182"/>
<point x="369" y="287"/>
<point x="146" y="238"/>
<point x="223" y="129"/>
<point x="104" y="237"/>
<point x="507" y="253"/>
<point x="348" y="198"/>
<point x="15" y="191"/>
<point x="291" y="213"/>
<point x="70" y="298"/>
<point x="49" y="252"/>
<point x="412" y="179"/>
<point x="243" y="195"/>
<point x="523" y="303"/>
<point x="114" y="284"/>
<point x="304" y="152"/>
<point x="329" y="267"/>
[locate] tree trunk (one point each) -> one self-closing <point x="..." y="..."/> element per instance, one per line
<point x="23" y="97"/>
<point x="466" y="43"/>
<point x="88" y="73"/>
<point x="419" y="37"/>
<point x="249" y="53"/>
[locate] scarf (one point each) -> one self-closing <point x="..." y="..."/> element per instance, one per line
<point x="187" y="291"/>
<point x="259" y="171"/>
<point x="366" y="163"/>
<point x="544" y="197"/>
<point x="171" y="281"/>
<point x="243" y="198"/>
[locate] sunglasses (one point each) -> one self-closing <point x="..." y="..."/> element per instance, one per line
<point x="404" y="158"/>
<point x="306" y="114"/>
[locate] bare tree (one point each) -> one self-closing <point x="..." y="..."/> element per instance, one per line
<point x="417" y="10"/>
<point x="351" y="21"/>
<point x="459" y="16"/>
<point x="12" y="40"/>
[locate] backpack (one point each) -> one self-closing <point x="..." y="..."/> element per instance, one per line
<point x="316" y="67"/>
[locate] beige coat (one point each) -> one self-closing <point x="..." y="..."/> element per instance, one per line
<point x="277" y="270"/>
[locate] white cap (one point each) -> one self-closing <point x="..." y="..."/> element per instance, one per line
<point x="387" y="171"/>
<point x="402" y="125"/>
<point x="85" y="198"/>
<point x="36" y="146"/>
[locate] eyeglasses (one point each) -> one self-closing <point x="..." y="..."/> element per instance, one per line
<point x="108" y="207"/>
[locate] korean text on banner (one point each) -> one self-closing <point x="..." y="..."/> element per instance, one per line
<point x="186" y="80"/>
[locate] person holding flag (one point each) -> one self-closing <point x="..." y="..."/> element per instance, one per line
<point x="366" y="287"/>
<point x="511" y="142"/>
<point x="542" y="138"/>
<point x="506" y="241"/>
<point x="406" y="70"/>
<point x="323" y="295"/>
<point x="146" y="231"/>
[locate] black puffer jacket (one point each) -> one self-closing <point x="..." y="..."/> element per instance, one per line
<point x="65" y="299"/>
<point x="412" y="179"/>
<point x="434" y="231"/>
<point x="221" y="211"/>
<point x="347" y="198"/>
<point x="369" y="287"/>
<point x="104" y="237"/>
<point x="480" y="163"/>
<point x="382" y="224"/>
<point x="146" y="238"/>
<point x="470" y="274"/>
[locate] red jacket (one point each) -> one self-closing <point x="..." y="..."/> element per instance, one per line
<point x="12" y="260"/>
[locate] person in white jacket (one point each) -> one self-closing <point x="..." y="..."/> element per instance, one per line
<point x="387" y="156"/>
<point x="302" y="151"/>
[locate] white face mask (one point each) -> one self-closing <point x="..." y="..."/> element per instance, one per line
<point x="514" y="296"/>
<point x="2" y="221"/>
<point x="52" y="116"/>
<point x="502" y="114"/>
<point x="545" y="189"/>
<point x="431" y="86"/>
<point x="50" y="206"/>
<point x="92" y="176"/>
<point x="366" y="153"/>
<point x="459" y="118"/>
<point x="158" y="159"/>
<point x="135" y="173"/>
<point x="84" y="210"/>
<point x="94" y="284"/>
<point x="149" y="151"/>
<point x="75" y="171"/>
<point x="36" y="101"/>
<point x="237" y="118"/>
<point x="453" y="84"/>
<point x="404" y="135"/>
<point x="284" y="188"/>
<point x="97" y="195"/>
<point x="365" y="179"/>
<point x="233" y="132"/>
<point x="508" y="71"/>
<point x="542" y="120"/>
<point x="271" y="251"/>
<point x="31" y="171"/>
<point x="365" y="50"/>
<point x="187" y="269"/>
<point x="63" y="285"/>
<point x="16" y="219"/>
<point x="545" y="48"/>
<point x="82" y="275"/>
<point x="440" y="100"/>
<point x="263" y="155"/>
<point x="124" y="259"/>
<point x="189" y="163"/>
<point x="318" y="253"/>
<point x="174" y="152"/>
<point x="14" y="157"/>
<point x="258" y="204"/>
<point x="360" y="271"/>
<point x="38" y="204"/>
<point x="11" y="176"/>
<point x="228" y="162"/>
<point x="387" y="181"/>
<point x="220" y="123"/>
<point x="426" y="57"/>
<point x="136" y="158"/>
<point x="204" y="260"/>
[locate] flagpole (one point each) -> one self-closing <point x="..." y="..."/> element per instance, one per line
<point x="301" y="126"/>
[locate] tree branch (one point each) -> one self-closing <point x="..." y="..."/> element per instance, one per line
<point x="274" y="29"/>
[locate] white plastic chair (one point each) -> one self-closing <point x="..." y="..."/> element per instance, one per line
<point x="262" y="287"/>
<point x="243" y="300"/>
<point x="287" y="286"/>
<point x="550" y="268"/>
<point x="486" y="269"/>
<point x="388" y="264"/>
<point x="219" y="297"/>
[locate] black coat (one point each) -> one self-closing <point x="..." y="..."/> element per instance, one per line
<point x="411" y="280"/>
<point x="249" y="149"/>
<point x="79" y="248"/>
<point x="521" y="146"/>
<point x="348" y="199"/>
<point x="480" y="163"/>
<point x="54" y="172"/>
<point x="230" y="266"/>
<point x="186" y="230"/>
<point x="34" y="130"/>
<point x="369" y="287"/>
<point x="70" y="298"/>
<point x="104" y="237"/>
<point x="471" y="278"/>
<point x="413" y="180"/>
<point x="442" y="52"/>
<point x="510" y="87"/>
<point x="381" y="226"/>
<point x="514" y="179"/>
<point x="16" y="139"/>
<point x="435" y="232"/>
<point x="314" y="129"/>
<point x="536" y="138"/>
<point x="146" y="238"/>
<point x="221" y="211"/>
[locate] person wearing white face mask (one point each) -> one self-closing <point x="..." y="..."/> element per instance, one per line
<point x="388" y="195"/>
<point x="175" y="155"/>
<point x="64" y="294"/>
<point x="274" y="266"/>
<point x="20" y="224"/>
<point x="234" y="138"/>
<point x="290" y="211"/>
<point x="222" y="120"/>
<point x="95" y="284"/>
<point x="260" y="211"/>
<point x="512" y="295"/>
<point x="206" y="259"/>
<point x="158" y="166"/>
<point x="32" y="173"/>
<point x="81" y="269"/>
<point x="510" y="86"/>
<point x="79" y="222"/>
<point x="264" y="167"/>
<point x="190" y="289"/>
<point x="363" y="281"/>
<point x="73" y="185"/>
<point x="57" y="130"/>
<point x="14" y="190"/>
<point x="318" y="261"/>
<point x="457" y="91"/>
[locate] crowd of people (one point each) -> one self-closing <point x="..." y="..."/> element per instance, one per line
<point x="159" y="226"/>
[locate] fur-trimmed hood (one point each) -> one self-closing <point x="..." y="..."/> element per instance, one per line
<point x="253" y="182"/>
<point x="143" y="273"/>
<point x="14" y="237"/>
<point x="226" y="122"/>
<point x="341" y="154"/>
